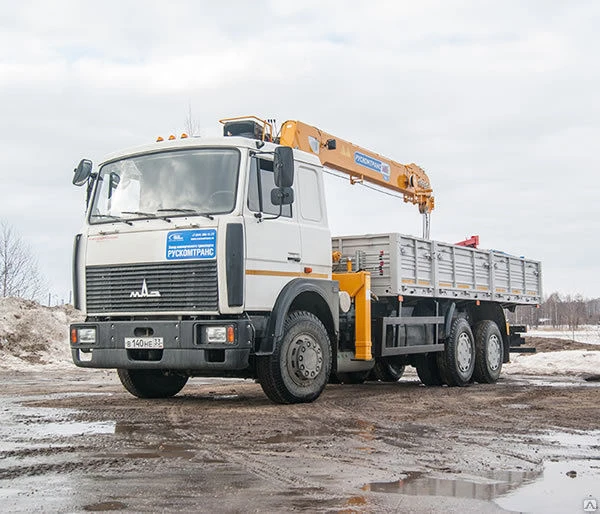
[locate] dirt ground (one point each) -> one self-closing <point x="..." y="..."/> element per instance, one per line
<point x="552" y="344"/>
<point x="75" y="441"/>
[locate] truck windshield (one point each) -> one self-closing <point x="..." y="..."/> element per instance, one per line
<point x="177" y="183"/>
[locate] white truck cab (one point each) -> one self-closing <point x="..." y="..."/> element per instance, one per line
<point x="186" y="251"/>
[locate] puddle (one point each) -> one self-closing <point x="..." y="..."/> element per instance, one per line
<point x="26" y="426"/>
<point x="67" y="429"/>
<point x="164" y="451"/>
<point x="493" y="485"/>
<point x="560" y="487"/>
<point x="555" y="490"/>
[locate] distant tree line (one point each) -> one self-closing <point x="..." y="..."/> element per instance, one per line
<point x="558" y="310"/>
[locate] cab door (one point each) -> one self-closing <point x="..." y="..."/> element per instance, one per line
<point x="312" y="218"/>
<point x="273" y="244"/>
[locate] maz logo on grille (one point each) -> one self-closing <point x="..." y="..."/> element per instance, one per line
<point x="144" y="293"/>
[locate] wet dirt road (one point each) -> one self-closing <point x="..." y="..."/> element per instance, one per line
<point x="74" y="441"/>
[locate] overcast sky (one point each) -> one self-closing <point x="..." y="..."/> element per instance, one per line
<point x="498" y="101"/>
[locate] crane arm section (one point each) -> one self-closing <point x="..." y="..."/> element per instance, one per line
<point x="360" y="164"/>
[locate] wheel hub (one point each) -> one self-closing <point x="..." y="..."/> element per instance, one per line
<point x="305" y="358"/>
<point x="464" y="353"/>
<point x="494" y="356"/>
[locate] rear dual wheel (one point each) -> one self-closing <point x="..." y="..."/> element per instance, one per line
<point x="489" y="352"/>
<point x="457" y="362"/>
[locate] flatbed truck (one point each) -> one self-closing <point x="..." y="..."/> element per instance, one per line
<point x="213" y="257"/>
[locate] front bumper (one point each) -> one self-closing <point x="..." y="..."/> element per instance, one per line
<point x="184" y="347"/>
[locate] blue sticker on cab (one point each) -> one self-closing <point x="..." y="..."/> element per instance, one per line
<point x="192" y="244"/>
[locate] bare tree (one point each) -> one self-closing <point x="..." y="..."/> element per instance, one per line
<point x="19" y="271"/>
<point x="574" y="308"/>
<point x="191" y="127"/>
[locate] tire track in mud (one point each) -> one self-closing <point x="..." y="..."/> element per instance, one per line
<point x="256" y="463"/>
<point x="387" y="429"/>
<point x="95" y="465"/>
<point x="263" y="467"/>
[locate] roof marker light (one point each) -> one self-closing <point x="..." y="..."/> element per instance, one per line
<point x="159" y="139"/>
<point x="184" y="136"/>
<point x="172" y="137"/>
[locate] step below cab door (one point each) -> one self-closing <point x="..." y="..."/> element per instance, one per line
<point x="273" y="244"/>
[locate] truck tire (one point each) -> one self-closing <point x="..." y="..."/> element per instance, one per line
<point x="150" y="383"/>
<point x="427" y="369"/>
<point x="489" y="351"/>
<point x="457" y="362"/>
<point x="388" y="370"/>
<point x="298" y="369"/>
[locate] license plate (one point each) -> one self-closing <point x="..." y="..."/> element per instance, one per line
<point x="144" y="343"/>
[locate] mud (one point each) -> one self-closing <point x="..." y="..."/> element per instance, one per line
<point x="551" y="344"/>
<point x="74" y="441"/>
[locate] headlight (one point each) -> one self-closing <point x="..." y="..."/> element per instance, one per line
<point x="216" y="334"/>
<point x="219" y="334"/>
<point x="86" y="335"/>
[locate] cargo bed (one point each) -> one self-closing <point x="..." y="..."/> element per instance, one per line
<point x="409" y="266"/>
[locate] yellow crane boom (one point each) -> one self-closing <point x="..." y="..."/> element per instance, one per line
<point x="361" y="164"/>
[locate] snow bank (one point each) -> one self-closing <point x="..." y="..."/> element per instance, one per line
<point x="588" y="334"/>
<point x="32" y="335"/>
<point x="567" y="362"/>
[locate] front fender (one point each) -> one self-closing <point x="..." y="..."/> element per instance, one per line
<point x="325" y="303"/>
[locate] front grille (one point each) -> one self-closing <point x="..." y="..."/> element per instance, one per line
<point x="183" y="286"/>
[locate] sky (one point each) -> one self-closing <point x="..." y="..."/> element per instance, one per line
<point x="497" y="101"/>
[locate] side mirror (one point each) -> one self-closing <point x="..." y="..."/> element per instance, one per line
<point x="282" y="196"/>
<point x="82" y="172"/>
<point x="283" y="166"/>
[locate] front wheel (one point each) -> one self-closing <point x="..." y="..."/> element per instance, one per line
<point x="457" y="362"/>
<point x="299" y="367"/>
<point x="489" y="352"/>
<point x="151" y="383"/>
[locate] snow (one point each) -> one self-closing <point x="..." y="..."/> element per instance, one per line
<point x="566" y="362"/>
<point x="589" y="334"/>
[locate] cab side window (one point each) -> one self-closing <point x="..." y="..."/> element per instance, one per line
<point x="259" y="189"/>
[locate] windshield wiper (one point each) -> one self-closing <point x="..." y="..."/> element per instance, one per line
<point x="140" y="213"/>
<point x="147" y="214"/>
<point x="113" y="218"/>
<point x="190" y="211"/>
